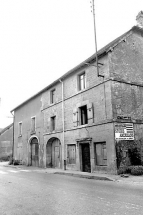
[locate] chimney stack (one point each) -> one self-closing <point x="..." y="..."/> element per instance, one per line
<point x="139" y="19"/>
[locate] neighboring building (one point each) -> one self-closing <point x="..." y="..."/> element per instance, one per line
<point x="28" y="132"/>
<point x="6" y="142"/>
<point x="88" y="119"/>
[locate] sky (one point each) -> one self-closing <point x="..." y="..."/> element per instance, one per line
<point x="40" y="40"/>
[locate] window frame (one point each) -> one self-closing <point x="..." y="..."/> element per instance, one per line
<point x="83" y="116"/>
<point x="103" y="154"/>
<point x="53" y="123"/>
<point x="80" y="80"/>
<point x="33" y="128"/>
<point x="20" y="129"/>
<point x="52" y="96"/>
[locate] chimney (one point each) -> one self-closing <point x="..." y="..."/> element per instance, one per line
<point x="139" y="19"/>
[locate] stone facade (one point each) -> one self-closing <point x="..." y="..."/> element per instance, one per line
<point x="24" y="115"/>
<point x="75" y="128"/>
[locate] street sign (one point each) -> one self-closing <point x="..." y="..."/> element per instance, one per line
<point x="124" y="131"/>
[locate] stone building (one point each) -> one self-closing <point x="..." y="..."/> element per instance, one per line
<point x="6" y="142"/>
<point x="89" y="118"/>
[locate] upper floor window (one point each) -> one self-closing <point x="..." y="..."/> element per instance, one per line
<point x="53" y="123"/>
<point x="52" y="96"/>
<point x="82" y="81"/>
<point x="83" y="114"/>
<point x="20" y="129"/>
<point x="33" y="124"/>
<point x="83" y="118"/>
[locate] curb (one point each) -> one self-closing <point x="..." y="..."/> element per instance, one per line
<point x="85" y="176"/>
<point x="95" y="177"/>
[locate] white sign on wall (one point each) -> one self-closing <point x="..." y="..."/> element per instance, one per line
<point x="124" y="131"/>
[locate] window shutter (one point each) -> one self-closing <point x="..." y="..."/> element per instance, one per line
<point x="50" y="123"/>
<point x="90" y="111"/>
<point x="75" y="118"/>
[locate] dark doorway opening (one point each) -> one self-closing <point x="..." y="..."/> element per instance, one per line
<point x="85" y="150"/>
<point x="34" y="152"/>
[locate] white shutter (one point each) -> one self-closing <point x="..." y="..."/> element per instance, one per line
<point x="75" y="118"/>
<point x="90" y="111"/>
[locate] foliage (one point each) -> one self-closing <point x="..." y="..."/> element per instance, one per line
<point x="16" y="162"/>
<point x="5" y="158"/>
<point x="10" y="160"/>
<point x="124" y="170"/>
<point x="135" y="156"/>
<point x="137" y="170"/>
<point x="129" y="152"/>
<point x="133" y="170"/>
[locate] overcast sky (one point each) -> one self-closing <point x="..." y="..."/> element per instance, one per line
<point x="40" y="40"/>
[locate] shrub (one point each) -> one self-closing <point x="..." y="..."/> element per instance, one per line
<point x="10" y="160"/>
<point x="124" y="170"/>
<point x="6" y="158"/>
<point x="16" y="162"/>
<point x="137" y="170"/>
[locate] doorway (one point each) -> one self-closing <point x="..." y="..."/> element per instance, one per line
<point x="34" y="152"/>
<point x="85" y="154"/>
<point x="53" y="153"/>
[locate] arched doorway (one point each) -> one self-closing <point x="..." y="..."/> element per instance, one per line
<point x="34" y="152"/>
<point x="53" y="153"/>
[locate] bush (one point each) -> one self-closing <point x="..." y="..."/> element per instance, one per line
<point x="16" y="162"/>
<point x="124" y="170"/>
<point x="137" y="170"/>
<point x="10" y="160"/>
<point x="6" y="158"/>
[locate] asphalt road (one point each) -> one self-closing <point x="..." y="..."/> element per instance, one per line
<point x="27" y="192"/>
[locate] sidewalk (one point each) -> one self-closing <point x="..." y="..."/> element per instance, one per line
<point x="95" y="176"/>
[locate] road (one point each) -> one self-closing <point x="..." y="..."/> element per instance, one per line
<point x="27" y="192"/>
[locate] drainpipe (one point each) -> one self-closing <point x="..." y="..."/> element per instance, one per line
<point x="63" y="122"/>
<point x="13" y="140"/>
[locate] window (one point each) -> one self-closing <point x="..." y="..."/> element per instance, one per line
<point x="53" y="123"/>
<point x="71" y="154"/>
<point x="33" y="124"/>
<point x="52" y="96"/>
<point x="20" y="128"/>
<point x="83" y="115"/>
<point x="101" y="154"/>
<point x="82" y="81"/>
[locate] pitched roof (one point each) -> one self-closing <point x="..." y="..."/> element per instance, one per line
<point x="103" y="51"/>
<point x="6" y="128"/>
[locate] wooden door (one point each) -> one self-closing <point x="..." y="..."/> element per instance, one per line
<point x="101" y="154"/>
<point x="34" y="152"/>
<point x="71" y="149"/>
<point x="56" y="156"/>
<point x="56" y="153"/>
<point x="86" y="167"/>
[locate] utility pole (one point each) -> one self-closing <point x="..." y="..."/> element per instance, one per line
<point x="95" y="39"/>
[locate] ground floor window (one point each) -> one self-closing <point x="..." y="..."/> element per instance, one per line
<point x="101" y="154"/>
<point x="71" y="154"/>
